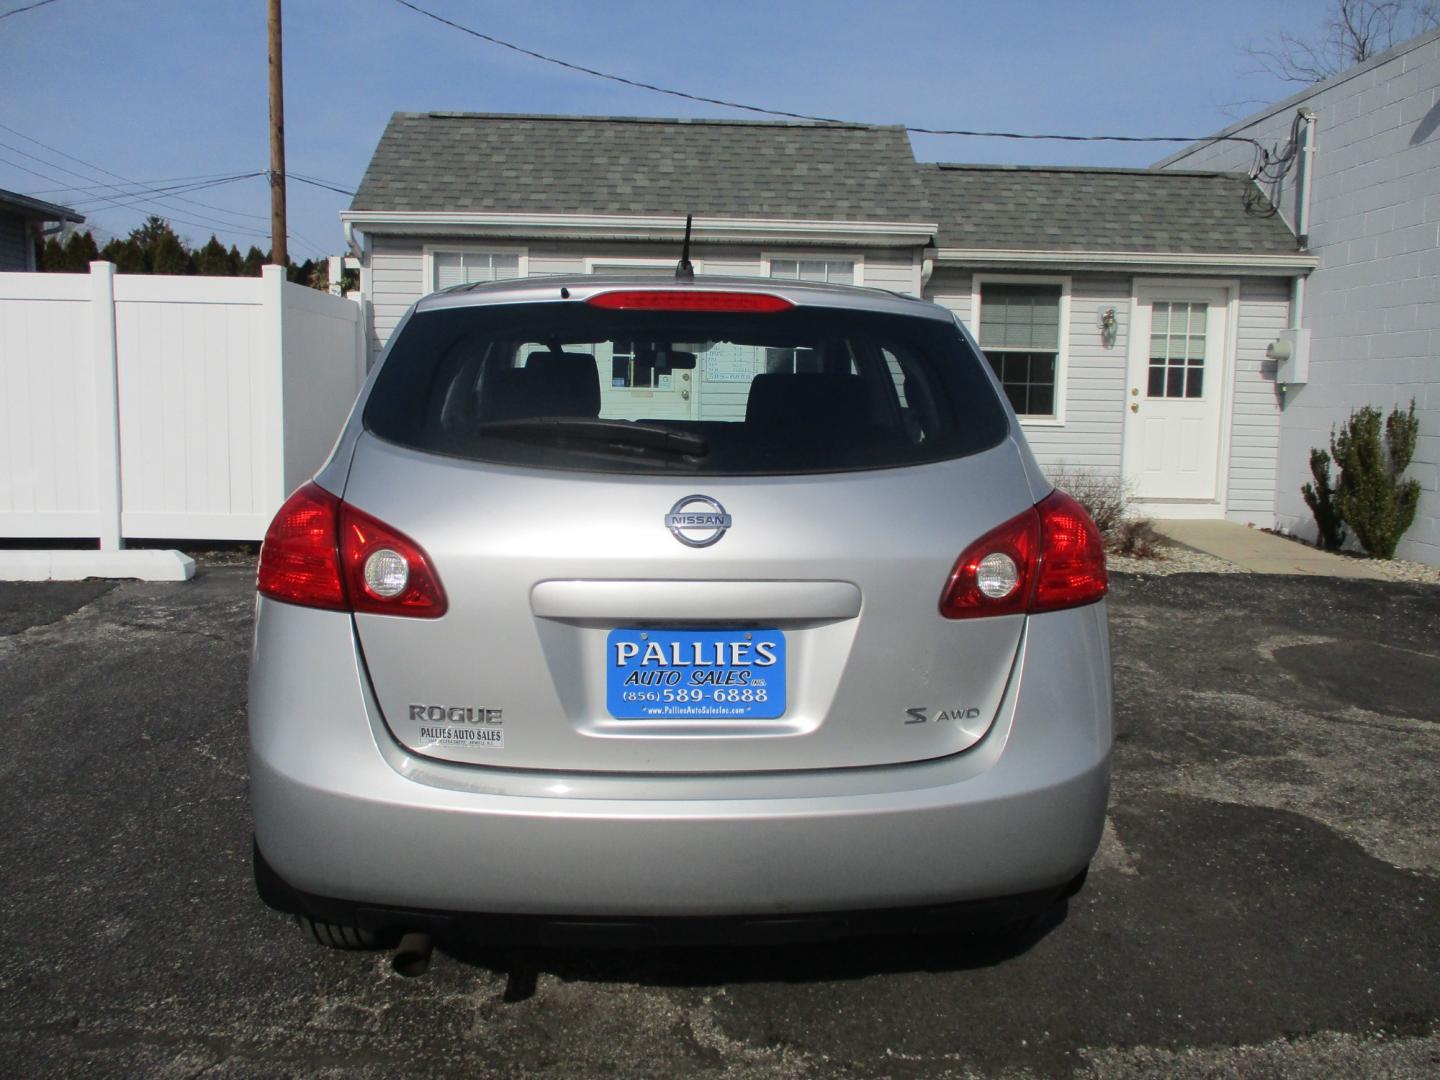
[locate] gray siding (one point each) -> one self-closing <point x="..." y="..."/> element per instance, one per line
<point x="1095" y="382"/>
<point x="1090" y="437"/>
<point x="1373" y="306"/>
<point x="898" y="271"/>
<point x="13" y="237"/>
<point x="395" y="282"/>
<point x="1255" y="415"/>
<point x="396" y="267"/>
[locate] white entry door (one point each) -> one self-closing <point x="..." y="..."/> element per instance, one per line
<point x="1175" y="393"/>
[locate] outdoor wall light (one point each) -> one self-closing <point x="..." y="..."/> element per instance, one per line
<point x="1109" y="327"/>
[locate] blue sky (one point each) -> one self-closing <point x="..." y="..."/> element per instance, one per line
<point x="158" y="89"/>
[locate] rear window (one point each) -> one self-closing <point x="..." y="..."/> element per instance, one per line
<point x="566" y="385"/>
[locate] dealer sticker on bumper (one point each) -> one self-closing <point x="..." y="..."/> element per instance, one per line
<point x="695" y="674"/>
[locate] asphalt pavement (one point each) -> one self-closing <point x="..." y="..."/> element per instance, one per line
<point x="1266" y="902"/>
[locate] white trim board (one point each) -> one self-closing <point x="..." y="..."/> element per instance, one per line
<point x="1154" y="262"/>
<point x="641" y="227"/>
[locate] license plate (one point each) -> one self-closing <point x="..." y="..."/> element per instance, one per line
<point x="695" y="674"/>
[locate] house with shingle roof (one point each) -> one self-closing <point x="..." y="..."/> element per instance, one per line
<point x="21" y="220"/>
<point x="1126" y="312"/>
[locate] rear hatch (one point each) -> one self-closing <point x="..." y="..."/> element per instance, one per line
<point x="752" y="587"/>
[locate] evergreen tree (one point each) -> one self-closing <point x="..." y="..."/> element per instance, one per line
<point x="162" y="251"/>
<point x="213" y="260"/>
<point x="303" y="273"/>
<point x="80" y="252"/>
<point x="234" y="262"/>
<point x="254" y="260"/>
<point x="49" y="256"/>
<point x="127" y="255"/>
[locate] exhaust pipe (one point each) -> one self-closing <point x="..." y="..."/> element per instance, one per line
<point x="412" y="955"/>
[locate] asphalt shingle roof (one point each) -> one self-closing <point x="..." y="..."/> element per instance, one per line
<point x="621" y="165"/>
<point x="37" y="209"/>
<point x="1087" y="209"/>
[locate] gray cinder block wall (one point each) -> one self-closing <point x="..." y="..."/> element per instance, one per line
<point x="1373" y="306"/>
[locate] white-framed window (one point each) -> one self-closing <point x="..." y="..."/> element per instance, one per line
<point x="656" y="268"/>
<point x="449" y="265"/>
<point x="800" y="267"/>
<point x="1022" y="323"/>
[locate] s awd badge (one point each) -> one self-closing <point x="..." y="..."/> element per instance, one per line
<point x="921" y="715"/>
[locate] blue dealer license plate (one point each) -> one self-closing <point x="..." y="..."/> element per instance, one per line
<point x="695" y="674"/>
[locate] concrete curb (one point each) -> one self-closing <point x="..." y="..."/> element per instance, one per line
<point x="147" y="564"/>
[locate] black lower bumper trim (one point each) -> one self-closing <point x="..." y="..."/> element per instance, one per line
<point x="619" y="932"/>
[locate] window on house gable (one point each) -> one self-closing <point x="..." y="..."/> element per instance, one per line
<point x="661" y="271"/>
<point x="1020" y="333"/>
<point x="835" y="271"/>
<point x="467" y="267"/>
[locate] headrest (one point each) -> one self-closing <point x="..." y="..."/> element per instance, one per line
<point x="569" y="383"/>
<point x="806" y="401"/>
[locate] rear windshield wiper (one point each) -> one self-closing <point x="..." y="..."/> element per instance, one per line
<point x="621" y="436"/>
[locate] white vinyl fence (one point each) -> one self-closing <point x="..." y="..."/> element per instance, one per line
<point x="151" y="407"/>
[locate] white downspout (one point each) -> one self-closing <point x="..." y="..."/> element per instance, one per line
<point x="1307" y="158"/>
<point x="351" y="243"/>
<point x="1302" y="220"/>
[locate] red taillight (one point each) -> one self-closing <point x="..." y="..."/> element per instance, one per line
<point x="299" y="561"/>
<point x="1072" y="556"/>
<point x="1017" y="540"/>
<point x="317" y="551"/>
<point x="362" y="538"/>
<point x="1056" y="559"/>
<point x="688" y="300"/>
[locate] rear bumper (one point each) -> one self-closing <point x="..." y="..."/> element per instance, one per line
<point x="344" y="815"/>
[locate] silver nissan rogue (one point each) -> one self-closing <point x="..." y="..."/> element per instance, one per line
<point x="630" y="610"/>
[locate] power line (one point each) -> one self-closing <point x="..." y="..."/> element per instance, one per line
<point x="27" y="7"/>
<point x="805" y="116"/>
<point x="139" y="184"/>
<point x="318" y="183"/>
<point x="117" y="176"/>
<point x="173" y="217"/>
<point x="148" y="196"/>
<point x="131" y="199"/>
<point x="322" y="180"/>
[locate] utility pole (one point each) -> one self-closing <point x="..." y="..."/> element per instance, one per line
<point x="278" y="254"/>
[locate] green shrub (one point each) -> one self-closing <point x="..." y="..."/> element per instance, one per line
<point x="1320" y="497"/>
<point x="1370" y="494"/>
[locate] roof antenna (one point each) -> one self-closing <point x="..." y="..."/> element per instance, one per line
<point x="684" y="269"/>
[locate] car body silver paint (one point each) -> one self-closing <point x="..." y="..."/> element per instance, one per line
<point x="492" y="534"/>
<point x="344" y="808"/>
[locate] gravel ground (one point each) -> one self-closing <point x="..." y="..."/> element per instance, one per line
<point x="1173" y="559"/>
<point x="1403" y="570"/>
